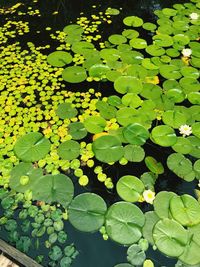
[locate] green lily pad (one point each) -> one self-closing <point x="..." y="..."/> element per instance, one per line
<point x="114" y="100"/>
<point x="130" y="34"/>
<point x="135" y="254"/>
<point x="65" y="110"/>
<point x="107" y="149"/>
<point x="112" y="75"/>
<point x="54" y="188"/>
<point x="127" y="84"/>
<point x="82" y="47"/>
<point x="131" y="57"/>
<point x="161" y="204"/>
<point x="148" y="64"/>
<point x="165" y="29"/>
<point x="149" y="26"/>
<point x="182" y="145"/>
<point x="133" y="21"/>
<point x="181" y="166"/>
<point x="194" y="98"/>
<point x="77" y="130"/>
<point x="197" y="169"/>
<point x="155" y="50"/>
<point x="86" y="212"/>
<point x="135" y="134"/>
<point x="124" y="222"/>
<point x="151" y="219"/>
<point x="191" y="253"/>
<point x="112" y="11"/>
<point x="69" y="150"/>
<point x="163" y="40"/>
<point x="134" y="153"/>
<point x="137" y="71"/>
<point x="74" y="74"/>
<point x="180" y="40"/>
<point x="172" y="52"/>
<point x="132" y="100"/>
<point x="126" y="116"/>
<point x="95" y="124"/>
<point x="170" y="72"/>
<point x="153" y="165"/>
<point x="110" y="54"/>
<point x="151" y="91"/>
<point x="59" y="58"/>
<point x="170" y="237"/>
<point x="175" y="95"/>
<point x="73" y="29"/>
<point x="169" y="12"/>
<point x="195" y="142"/>
<point x="196" y="129"/>
<point x="98" y="70"/>
<point x="27" y="170"/>
<point x="32" y="147"/>
<point x="138" y="43"/>
<point x="130" y="188"/>
<point x="185" y="209"/>
<point x="189" y="85"/>
<point x="163" y="135"/>
<point x="174" y="118"/>
<point x="106" y="111"/>
<point x="117" y="39"/>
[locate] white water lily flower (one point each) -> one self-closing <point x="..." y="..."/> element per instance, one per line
<point x="194" y="16"/>
<point x="149" y="196"/>
<point x="186" y="52"/>
<point x="185" y="130"/>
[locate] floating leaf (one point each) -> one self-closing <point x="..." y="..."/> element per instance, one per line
<point x="170" y="237"/>
<point x="124" y="222"/>
<point x="155" y="50"/>
<point x="106" y="111"/>
<point x="170" y="71"/>
<point x="65" y="110"/>
<point x="149" y="26"/>
<point x="185" y="209"/>
<point x="135" y="255"/>
<point x="135" y="134"/>
<point x="27" y="170"/>
<point x="112" y="11"/>
<point x="151" y="219"/>
<point x="129" y="33"/>
<point x="133" y="21"/>
<point x="86" y="212"/>
<point x="117" y="39"/>
<point x="69" y="150"/>
<point x="182" y="145"/>
<point x="138" y="43"/>
<point x="95" y="124"/>
<point x="130" y="188"/>
<point x="174" y="118"/>
<point x="74" y="74"/>
<point x="163" y="40"/>
<point x="73" y="29"/>
<point x="82" y="47"/>
<point x="153" y="165"/>
<point x="54" y="188"/>
<point x="108" y="149"/>
<point x="134" y="153"/>
<point x="161" y="203"/>
<point x="77" y="130"/>
<point x="163" y="135"/>
<point x="32" y="147"/>
<point x="197" y="168"/>
<point x="127" y="84"/>
<point x="195" y="142"/>
<point x="98" y="70"/>
<point x="59" y="58"/>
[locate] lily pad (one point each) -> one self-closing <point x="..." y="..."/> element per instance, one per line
<point x="130" y="188"/>
<point x="66" y="111"/>
<point x="174" y="118"/>
<point x="135" y="134"/>
<point x="74" y="74"/>
<point x="110" y="54"/>
<point x="155" y="50"/>
<point x="134" y="153"/>
<point x="108" y="149"/>
<point x="95" y="124"/>
<point x="130" y="34"/>
<point x="127" y="84"/>
<point x="170" y="72"/>
<point x="170" y="237"/>
<point x="117" y="39"/>
<point x="138" y="43"/>
<point x="82" y="47"/>
<point x="86" y="212"/>
<point x="124" y="222"/>
<point x="182" y="145"/>
<point x="32" y="147"/>
<point x="73" y="29"/>
<point x="27" y="170"/>
<point x="77" y="130"/>
<point x="54" y="188"/>
<point x="59" y="58"/>
<point x="69" y="150"/>
<point x="98" y="70"/>
<point x="151" y="219"/>
<point x="164" y="135"/>
<point x="163" y="40"/>
<point x="133" y="21"/>
<point x="136" y="255"/>
<point x="153" y="165"/>
<point x="161" y="204"/>
<point x="185" y="209"/>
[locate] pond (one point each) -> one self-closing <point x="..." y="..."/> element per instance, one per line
<point x="100" y="132"/>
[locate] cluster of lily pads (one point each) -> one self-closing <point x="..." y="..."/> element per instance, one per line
<point x="155" y="101"/>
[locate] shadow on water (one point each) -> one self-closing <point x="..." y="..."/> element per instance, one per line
<point x="94" y="251"/>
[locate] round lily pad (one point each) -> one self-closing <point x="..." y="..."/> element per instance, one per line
<point x="138" y="43"/>
<point x="112" y="11"/>
<point x="194" y="98"/>
<point x="126" y="116"/>
<point x="163" y="135"/>
<point x="73" y="29"/>
<point x="32" y="147"/>
<point x="124" y="222"/>
<point x="163" y="40"/>
<point x="182" y="145"/>
<point x="134" y="153"/>
<point x="196" y="129"/>
<point x="86" y="212"/>
<point x="74" y="74"/>
<point x="149" y="26"/>
<point x="110" y="54"/>
<point x="77" y="130"/>
<point x="127" y="84"/>
<point x="170" y="237"/>
<point x="161" y="203"/>
<point x="185" y="209"/>
<point x="98" y="70"/>
<point x="106" y="111"/>
<point x="174" y="118"/>
<point x="155" y="50"/>
<point x="170" y="72"/>
<point x="195" y="142"/>
<point x="82" y="47"/>
<point x="130" y="188"/>
<point x="133" y="21"/>
<point x="95" y="124"/>
<point x="69" y="150"/>
<point x="197" y="168"/>
<point x="27" y="170"/>
<point x="135" y="134"/>
<point x="65" y="110"/>
<point x="108" y="149"/>
<point x="151" y="219"/>
<point x="117" y="39"/>
<point x="129" y="33"/>
<point x="54" y="188"/>
<point x="153" y="165"/>
<point x="59" y="58"/>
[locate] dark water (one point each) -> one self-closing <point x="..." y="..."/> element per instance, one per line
<point x="94" y="251"/>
